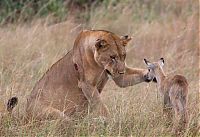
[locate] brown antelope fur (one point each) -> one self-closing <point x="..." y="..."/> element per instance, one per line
<point x="175" y="91"/>
<point x="76" y="81"/>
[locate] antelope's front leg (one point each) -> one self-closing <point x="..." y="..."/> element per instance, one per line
<point x="167" y="109"/>
<point x="132" y="76"/>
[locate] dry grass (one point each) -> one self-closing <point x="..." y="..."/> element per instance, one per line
<point x="28" y="50"/>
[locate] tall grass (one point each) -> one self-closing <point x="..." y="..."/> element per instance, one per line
<point x="166" y="29"/>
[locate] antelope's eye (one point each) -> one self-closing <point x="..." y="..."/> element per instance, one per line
<point x="149" y="70"/>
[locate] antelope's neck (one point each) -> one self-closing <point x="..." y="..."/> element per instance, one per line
<point x="160" y="77"/>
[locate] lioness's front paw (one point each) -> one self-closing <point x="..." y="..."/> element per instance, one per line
<point x="102" y="111"/>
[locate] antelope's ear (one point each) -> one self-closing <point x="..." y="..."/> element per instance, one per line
<point x="125" y="39"/>
<point x="161" y="62"/>
<point x="147" y="62"/>
<point x="100" y="44"/>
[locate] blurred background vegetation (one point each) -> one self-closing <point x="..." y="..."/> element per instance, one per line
<point x="13" y="11"/>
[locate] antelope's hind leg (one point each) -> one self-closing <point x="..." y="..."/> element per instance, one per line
<point x="180" y="113"/>
<point x="180" y="116"/>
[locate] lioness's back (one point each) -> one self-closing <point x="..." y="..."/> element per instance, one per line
<point x="57" y="87"/>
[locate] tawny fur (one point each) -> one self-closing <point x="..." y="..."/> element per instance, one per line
<point x="64" y="91"/>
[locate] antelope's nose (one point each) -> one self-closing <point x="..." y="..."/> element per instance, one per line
<point x="122" y="72"/>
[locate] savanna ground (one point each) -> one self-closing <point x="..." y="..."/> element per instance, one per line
<point x="168" y="29"/>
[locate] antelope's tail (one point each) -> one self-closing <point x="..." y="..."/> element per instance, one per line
<point x="12" y="102"/>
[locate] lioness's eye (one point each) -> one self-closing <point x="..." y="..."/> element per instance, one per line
<point x="124" y="55"/>
<point x="112" y="57"/>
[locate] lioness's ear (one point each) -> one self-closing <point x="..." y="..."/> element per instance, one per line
<point x="125" y="39"/>
<point x="100" y="44"/>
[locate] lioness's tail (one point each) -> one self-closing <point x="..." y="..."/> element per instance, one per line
<point x="12" y="102"/>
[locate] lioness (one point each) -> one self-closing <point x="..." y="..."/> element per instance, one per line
<point x="76" y="81"/>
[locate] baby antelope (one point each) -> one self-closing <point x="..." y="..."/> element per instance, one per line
<point x="175" y="91"/>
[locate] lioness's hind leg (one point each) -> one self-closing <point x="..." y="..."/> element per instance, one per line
<point x="46" y="112"/>
<point x="52" y="113"/>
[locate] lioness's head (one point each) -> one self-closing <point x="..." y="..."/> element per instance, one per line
<point x="110" y="53"/>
